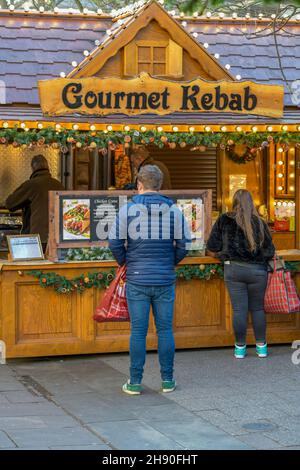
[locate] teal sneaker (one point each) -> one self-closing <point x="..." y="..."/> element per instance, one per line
<point x="168" y="386"/>
<point x="132" y="389"/>
<point x="262" y="350"/>
<point x="240" y="352"/>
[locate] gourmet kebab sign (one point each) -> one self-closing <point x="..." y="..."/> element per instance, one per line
<point x="145" y="94"/>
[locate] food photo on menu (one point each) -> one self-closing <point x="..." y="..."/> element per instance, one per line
<point x="194" y="214"/>
<point x="76" y="219"/>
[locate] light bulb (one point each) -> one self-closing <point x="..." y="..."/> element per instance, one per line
<point x="40" y="125"/>
<point x="86" y="53"/>
<point x="227" y="66"/>
<point x="285" y="128"/>
<point x="234" y="15"/>
<point x="191" y="129"/>
<point x="74" y="63"/>
<point x="62" y="74"/>
<point x="254" y="129"/>
<point x="160" y="129"/>
<point x="280" y="162"/>
<point x="217" y="56"/>
<point x="207" y="129"/>
<point x="206" y="45"/>
<point x="195" y="34"/>
<point x="99" y="11"/>
<point x="11" y="7"/>
<point x="221" y="14"/>
<point x="292" y="188"/>
<point x="269" y="128"/>
<point x="5" y="125"/>
<point x="280" y="175"/>
<point x="41" y="9"/>
<point x="239" y="129"/>
<point x="92" y="127"/>
<point x="109" y="128"/>
<point x="208" y="14"/>
<point x="280" y="188"/>
<point x="223" y="128"/>
<point x="238" y="77"/>
<point x="75" y="127"/>
<point x="184" y="23"/>
<point x="175" y="129"/>
<point x="279" y="204"/>
<point x="280" y="150"/>
<point x="143" y="128"/>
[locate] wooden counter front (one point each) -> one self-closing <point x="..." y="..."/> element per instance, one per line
<point x="39" y="322"/>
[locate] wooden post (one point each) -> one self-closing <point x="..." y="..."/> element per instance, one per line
<point x="94" y="176"/>
<point x="297" y="195"/>
<point x="69" y="165"/>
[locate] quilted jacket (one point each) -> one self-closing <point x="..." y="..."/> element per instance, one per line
<point x="150" y="260"/>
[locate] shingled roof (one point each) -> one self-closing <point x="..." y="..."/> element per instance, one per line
<point x="35" y="47"/>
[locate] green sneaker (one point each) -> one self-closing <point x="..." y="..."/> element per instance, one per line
<point x="240" y="352"/>
<point x="262" y="350"/>
<point x="132" y="389"/>
<point x="168" y="386"/>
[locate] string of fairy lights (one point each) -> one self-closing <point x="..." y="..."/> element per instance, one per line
<point x="124" y="16"/>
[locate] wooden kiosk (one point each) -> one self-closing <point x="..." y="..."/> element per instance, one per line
<point x="151" y="83"/>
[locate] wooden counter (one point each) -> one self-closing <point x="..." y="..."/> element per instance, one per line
<point x="39" y="322"/>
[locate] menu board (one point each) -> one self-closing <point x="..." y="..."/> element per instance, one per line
<point x="193" y="211"/>
<point x="84" y="218"/>
<point x="88" y="219"/>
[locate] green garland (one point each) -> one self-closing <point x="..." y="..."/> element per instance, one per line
<point x="101" y="280"/>
<point x="89" y="254"/>
<point x="62" y="285"/>
<point x="61" y="138"/>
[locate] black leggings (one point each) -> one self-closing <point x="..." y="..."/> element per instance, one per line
<point x="246" y="284"/>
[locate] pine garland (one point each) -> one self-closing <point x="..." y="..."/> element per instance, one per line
<point x="89" y="254"/>
<point x="101" y="280"/>
<point x="61" y="138"/>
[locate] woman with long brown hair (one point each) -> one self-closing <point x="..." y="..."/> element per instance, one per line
<point x="242" y="240"/>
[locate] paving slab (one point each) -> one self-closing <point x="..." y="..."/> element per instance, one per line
<point x="135" y="435"/>
<point x="6" y="442"/>
<point x="199" y="434"/>
<point x="67" y="436"/>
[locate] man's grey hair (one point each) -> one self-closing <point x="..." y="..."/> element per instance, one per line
<point x="151" y="177"/>
<point x="39" y="162"/>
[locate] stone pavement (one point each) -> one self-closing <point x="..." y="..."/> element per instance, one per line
<point x="220" y="403"/>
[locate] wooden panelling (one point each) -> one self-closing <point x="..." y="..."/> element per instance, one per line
<point x="38" y="322"/>
<point x="284" y="241"/>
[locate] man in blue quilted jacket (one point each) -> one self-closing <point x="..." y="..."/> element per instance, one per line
<point x="150" y="236"/>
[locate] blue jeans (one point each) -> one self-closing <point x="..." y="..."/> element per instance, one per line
<point x="139" y="299"/>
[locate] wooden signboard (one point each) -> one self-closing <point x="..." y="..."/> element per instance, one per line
<point x="79" y="219"/>
<point x="146" y="94"/>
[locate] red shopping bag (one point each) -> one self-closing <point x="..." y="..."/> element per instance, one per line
<point x="113" y="305"/>
<point x="281" y="294"/>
